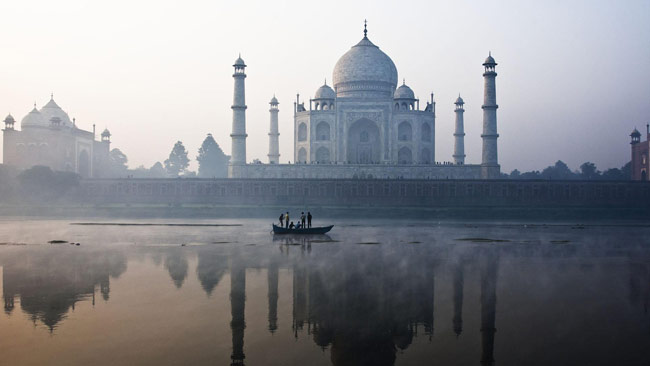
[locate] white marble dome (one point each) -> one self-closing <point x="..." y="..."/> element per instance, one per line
<point x="33" y="119"/>
<point x="404" y="92"/>
<point x="51" y="110"/>
<point x="325" y="92"/>
<point x="363" y="71"/>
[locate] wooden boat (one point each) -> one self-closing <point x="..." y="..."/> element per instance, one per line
<point x="309" y="230"/>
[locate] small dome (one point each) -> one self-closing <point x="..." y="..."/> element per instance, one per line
<point x="459" y="100"/>
<point x="489" y="60"/>
<point x="106" y="132"/>
<point x="239" y="62"/>
<point x="9" y="119"/>
<point x="33" y="119"/>
<point x="52" y="110"/>
<point x="325" y="92"/>
<point x="635" y="133"/>
<point x="274" y="101"/>
<point x="404" y="92"/>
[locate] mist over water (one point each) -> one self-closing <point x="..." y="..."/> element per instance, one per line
<point x="380" y="292"/>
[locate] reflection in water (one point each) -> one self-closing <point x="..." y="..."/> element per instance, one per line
<point x="459" y="282"/>
<point x="362" y="304"/>
<point x="211" y="267"/>
<point x="364" y="310"/>
<point x="49" y="283"/>
<point x="488" y="306"/>
<point x="176" y="264"/>
<point x="238" y="306"/>
<point x="272" y="278"/>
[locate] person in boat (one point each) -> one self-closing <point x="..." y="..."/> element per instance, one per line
<point x="308" y="219"/>
<point x="286" y="220"/>
<point x="291" y="226"/>
<point x="299" y="226"/>
<point x="282" y="219"/>
<point x="302" y="218"/>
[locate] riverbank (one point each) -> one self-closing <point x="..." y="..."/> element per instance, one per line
<point x="206" y="211"/>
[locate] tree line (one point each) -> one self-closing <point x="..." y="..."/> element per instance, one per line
<point x="560" y="171"/>
<point x="213" y="163"/>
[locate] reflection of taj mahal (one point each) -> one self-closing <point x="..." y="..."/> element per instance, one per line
<point x="365" y="127"/>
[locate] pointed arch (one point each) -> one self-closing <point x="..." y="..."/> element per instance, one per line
<point x="405" y="156"/>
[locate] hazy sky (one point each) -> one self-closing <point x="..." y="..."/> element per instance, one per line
<point x="574" y="76"/>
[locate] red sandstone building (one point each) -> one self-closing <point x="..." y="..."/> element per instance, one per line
<point x="640" y="161"/>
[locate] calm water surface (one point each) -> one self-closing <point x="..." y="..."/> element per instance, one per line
<point x="369" y="293"/>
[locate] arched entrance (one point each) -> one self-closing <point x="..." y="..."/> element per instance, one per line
<point x="644" y="175"/>
<point x="323" y="155"/>
<point x="84" y="164"/>
<point x="405" y="156"/>
<point x="302" y="155"/>
<point x="364" y="145"/>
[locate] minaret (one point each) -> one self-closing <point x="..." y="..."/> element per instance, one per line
<point x="490" y="166"/>
<point x="238" y="135"/>
<point x="274" y="135"/>
<point x="459" y="134"/>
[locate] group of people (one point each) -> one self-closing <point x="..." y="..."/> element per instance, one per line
<point x="305" y="221"/>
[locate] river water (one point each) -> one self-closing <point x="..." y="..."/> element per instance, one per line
<point x="369" y="293"/>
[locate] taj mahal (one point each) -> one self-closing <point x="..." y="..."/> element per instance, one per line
<point x="365" y="127"/>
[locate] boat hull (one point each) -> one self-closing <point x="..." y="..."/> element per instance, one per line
<point x="309" y="230"/>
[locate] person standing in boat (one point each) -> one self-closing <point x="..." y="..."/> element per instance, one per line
<point x="302" y="219"/>
<point x="281" y="220"/>
<point x="308" y="219"/>
<point x="286" y="219"/>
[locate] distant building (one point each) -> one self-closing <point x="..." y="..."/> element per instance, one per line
<point x="48" y="137"/>
<point x="365" y="127"/>
<point x="640" y="162"/>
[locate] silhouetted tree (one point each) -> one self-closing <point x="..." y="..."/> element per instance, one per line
<point x="558" y="171"/>
<point x="626" y="170"/>
<point x="117" y="163"/>
<point x="212" y="161"/>
<point x="515" y="174"/>
<point x="588" y="171"/>
<point x="157" y="171"/>
<point x="613" y="174"/>
<point x="177" y="161"/>
<point x="42" y="183"/>
<point x="531" y="175"/>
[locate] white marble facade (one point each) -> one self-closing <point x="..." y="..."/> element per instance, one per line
<point x="365" y="126"/>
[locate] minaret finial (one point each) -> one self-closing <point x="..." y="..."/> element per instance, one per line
<point x="365" y="28"/>
<point x="404" y="81"/>
<point x="325" y="81"/>
<point x="52" y="96"/>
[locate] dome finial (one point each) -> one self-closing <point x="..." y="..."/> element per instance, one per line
<point x="325" y="81"/>
<point x="404" y="81"/>
<point x="365" y="28"/>
<point x="51" y="96"/>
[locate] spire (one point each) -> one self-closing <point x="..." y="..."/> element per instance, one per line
<point x="365" y="28"/>
<point x="325" y="81"/>
<point x="404" y="81"/>
<point x="51" y="96"/>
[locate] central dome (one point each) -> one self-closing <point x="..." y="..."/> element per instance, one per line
<point x="365" y="71"/>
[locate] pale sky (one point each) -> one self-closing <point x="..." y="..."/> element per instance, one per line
<point x="574" y="76"/>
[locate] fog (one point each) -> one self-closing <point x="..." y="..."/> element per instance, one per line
<point x="574" y="77"/>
